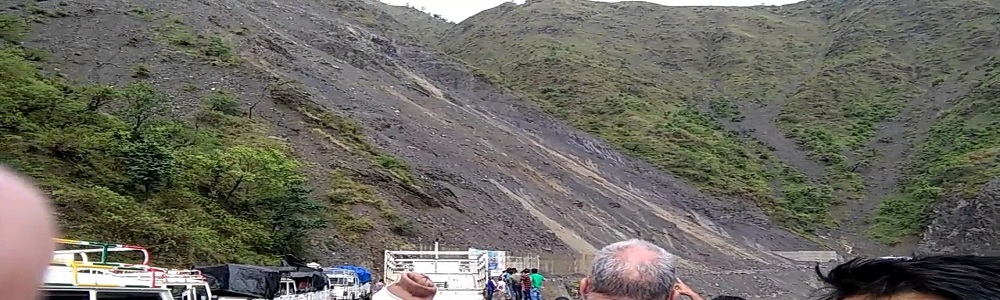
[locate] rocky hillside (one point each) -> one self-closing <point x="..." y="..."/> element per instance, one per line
<point x="862" y="122"/>
<point x="237" y="130"/>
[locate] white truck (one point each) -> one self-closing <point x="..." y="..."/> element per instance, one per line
<point x="345" y="284"/>
<point x="458" y="275"/>
<point x="73" y="275"/>
<point x="84" y="270"/>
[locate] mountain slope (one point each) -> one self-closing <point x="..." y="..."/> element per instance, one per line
<point x="603" y="80"/>
<point x="822" y="107"/>
<point x="437" y="151"/>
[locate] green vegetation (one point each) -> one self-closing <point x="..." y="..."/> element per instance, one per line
<point x="213" y="48"/>
<point x="398" y="22"/>
<point x="209" y="190"/>
<point x="608" y="68"/>
<point x="836" y="112"/>
<point x="347" y="134"/>
<point x="597" y="83"/>
<point x="119" y="167"/>
<point x="959" y="157"/>
<point x="421" y="27"/>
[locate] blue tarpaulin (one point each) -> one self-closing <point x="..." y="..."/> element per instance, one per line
<point x="364" y="275"/>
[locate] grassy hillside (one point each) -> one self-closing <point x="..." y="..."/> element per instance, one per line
<point x="423" y="27"/>
<point x="215" y="186"/>
<point x="960" y="156"/>
<point x="628" y="81"/>
<point x="687" y="87"/>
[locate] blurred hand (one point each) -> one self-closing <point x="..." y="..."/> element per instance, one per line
<point x="684" y="289"/>
<point x="420" y="279"/>
<point x="26" y="231"/>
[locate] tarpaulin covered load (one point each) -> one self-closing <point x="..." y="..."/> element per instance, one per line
<point x="364" y="275"/>
<point x="242" y="280"/>
<point x="316" y="279"/>
<point x="299" y="270"/>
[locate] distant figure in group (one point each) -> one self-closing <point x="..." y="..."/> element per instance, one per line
<point x="634" y="270"/>
<point x="526" y="284"/>
<point x="938" y="277"/>
<point x="514" y="284"/>
<point x="501" y="293"/>
<point x="491" y="287"/>
<point x="536" y="284"/>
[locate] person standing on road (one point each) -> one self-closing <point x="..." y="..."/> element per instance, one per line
<point x="515" y="285"/>
<point x="526" y="284"/>
<point x="491" y="287"/>
<point x="501" y="289"/>
<point x="536" y="284"/>
<point x="634" y="270"/>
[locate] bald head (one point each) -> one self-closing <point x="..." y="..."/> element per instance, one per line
<point x="633" y="270"/>
<point x="26" y="232"/>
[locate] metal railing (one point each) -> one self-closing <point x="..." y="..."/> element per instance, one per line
<point x="548" y="263"/>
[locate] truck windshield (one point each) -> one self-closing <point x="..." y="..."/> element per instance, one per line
<point x="66" y="295"/>
<point x="129" y="295"/>
<point x="201" y="292"/>
<point x="103" y="295"/>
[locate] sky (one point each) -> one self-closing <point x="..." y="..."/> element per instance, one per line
<point x="458" y="10"/>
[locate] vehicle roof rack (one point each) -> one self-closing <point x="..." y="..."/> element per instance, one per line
<point x="66" y="270"/>
<point x="97" y="247"/>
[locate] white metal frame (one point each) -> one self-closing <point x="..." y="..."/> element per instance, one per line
<point x="470" y="265"/>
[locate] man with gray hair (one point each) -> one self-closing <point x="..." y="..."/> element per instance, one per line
<point x="634" y="270"/>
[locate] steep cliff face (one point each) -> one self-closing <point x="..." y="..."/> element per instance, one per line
<point x="839" y="118"/>
<point x="965" y="225"/>
<point x="402" y="145"/>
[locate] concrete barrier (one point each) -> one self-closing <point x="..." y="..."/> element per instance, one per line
<point x="810" y="256"/>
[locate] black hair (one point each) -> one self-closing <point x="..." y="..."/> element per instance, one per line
<point x="728" y="298"/>
<point x="952" y="277"/>
<point x="534" y="271"/>
<point x="525" y="270"/>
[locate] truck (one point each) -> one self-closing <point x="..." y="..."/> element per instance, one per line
<point x="458" y="275"/>
<point x="248" y="282"/>
<point x="72" y="274"/>
<point x="348" y="283"/>
<point x="84" y="270"/>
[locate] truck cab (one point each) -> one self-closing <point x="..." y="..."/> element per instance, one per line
<point x="69" y="278"/>
<point x="344" y="283"/>
<point x="187" y="285"/>
<point x="458" y="275"/>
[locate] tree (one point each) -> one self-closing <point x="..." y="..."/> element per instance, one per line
<point x="142" y="103"/>
<point x="148" y="163"/>
<point x="292" y="216"/>
<point x="98" y="96"/>
<point x="241" y="176"/>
